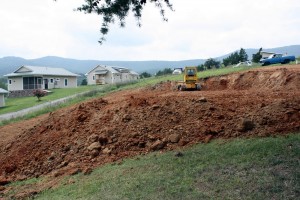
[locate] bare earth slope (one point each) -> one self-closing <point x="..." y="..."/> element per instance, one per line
<point x="259" y="102"/>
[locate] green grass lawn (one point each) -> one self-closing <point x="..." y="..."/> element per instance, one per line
<point x="256" y="168"/>
<point x="15" y="104"/>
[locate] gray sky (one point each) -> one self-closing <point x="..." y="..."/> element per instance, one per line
<point x="197" y="29"/>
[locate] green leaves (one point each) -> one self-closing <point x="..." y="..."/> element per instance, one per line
<point x="119" y="9"/>
<point x="236" y="57"/>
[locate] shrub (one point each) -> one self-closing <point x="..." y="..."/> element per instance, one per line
<point x="39" y="93"/>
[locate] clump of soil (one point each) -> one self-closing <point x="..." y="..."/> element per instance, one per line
<point x="128" y="123"/>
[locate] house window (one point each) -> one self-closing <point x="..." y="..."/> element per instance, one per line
<point x="93" y="78"/>
<point x="51" y="80"/>
<point x="32" y="83"/>
<point x="66" y="82"/>
<point x="9" y="81"/>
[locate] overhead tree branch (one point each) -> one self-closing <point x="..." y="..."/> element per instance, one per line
<point x="110" y="10"/>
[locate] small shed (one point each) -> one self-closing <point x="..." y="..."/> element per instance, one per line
<point x="2" y="93"/>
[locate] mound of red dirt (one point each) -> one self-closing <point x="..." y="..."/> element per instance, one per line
<point x="256" y="103"/>
<point x="276" y="78"/>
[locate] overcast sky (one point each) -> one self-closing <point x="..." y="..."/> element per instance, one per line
<point x="196" y="29"/>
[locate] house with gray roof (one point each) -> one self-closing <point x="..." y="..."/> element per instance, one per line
<point x="102" y="74"/>
<point x="2" y="100"/>
<point x="32" y="78"/>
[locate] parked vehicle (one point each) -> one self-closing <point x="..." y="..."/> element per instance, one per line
<point x="177" y="71"/>
<point x="277" y="58"/>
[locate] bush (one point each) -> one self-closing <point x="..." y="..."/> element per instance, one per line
<point x="145" y="75"/>
<point x="39" y="93"/>
<point x="166" y="71"/>
<point x="200" y="68"/>
<point x="3" y="82"/>
<point x="84" y="82"/>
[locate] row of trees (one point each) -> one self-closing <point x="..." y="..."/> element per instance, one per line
<point x="235" y="58"/>
<point x="164" y="72"/>
<point x="232" y="59"/>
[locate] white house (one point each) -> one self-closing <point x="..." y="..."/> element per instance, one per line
<point x="102" y="74"/>
<point x="30" y="77"/>
<point x="2" y="93"/>
<point x="265" y="54"/>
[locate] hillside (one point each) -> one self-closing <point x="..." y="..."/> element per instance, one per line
<point x="127" y="123"/>
<point x="8" y="64"/>
<point x="257" y="103"/>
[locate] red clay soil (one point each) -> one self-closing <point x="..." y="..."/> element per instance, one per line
<point x="260" y="102"/>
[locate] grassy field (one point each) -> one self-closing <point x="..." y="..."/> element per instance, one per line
<point x="92" y="93"/>
<point x="15" y="104"/>
<point x="256" y="168"/>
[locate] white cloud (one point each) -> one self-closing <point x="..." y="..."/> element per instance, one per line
<point x="197" y="29"/>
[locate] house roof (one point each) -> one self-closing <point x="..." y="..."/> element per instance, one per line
<point x="134" y="73"/>
<point x="112" y="69"/>
<point x="2" y="91"/>
<point x="266" y="52"/>
<point x="33" y="70"/>
<point x="101" y="72"/>
<point x="121" y="69"/>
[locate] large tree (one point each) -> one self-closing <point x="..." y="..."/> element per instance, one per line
<point x="110" y="10"/>
<point x="210" y="63"/>
<point x="232" y="59"/>
<point x="243" y="55"/>
<point x="236" y="57"/>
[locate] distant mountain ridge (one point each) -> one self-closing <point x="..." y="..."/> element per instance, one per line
<point x="9" y="64"/>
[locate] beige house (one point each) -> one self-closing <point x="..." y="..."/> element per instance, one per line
<point x="28" y="78"/>
<point x="2" y="93"/>
<point x="110" y="75"/>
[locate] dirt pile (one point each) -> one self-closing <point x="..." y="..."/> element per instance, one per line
<point x="128" y="123"/>
<point x="267" y="79"/>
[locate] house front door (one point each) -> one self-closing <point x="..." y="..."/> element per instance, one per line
<point x="46" y="84"/>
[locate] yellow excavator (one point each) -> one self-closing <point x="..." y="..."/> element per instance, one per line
<point x="190" y="80"/>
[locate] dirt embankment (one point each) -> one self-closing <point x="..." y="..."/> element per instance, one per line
<point x="259" y="102"/>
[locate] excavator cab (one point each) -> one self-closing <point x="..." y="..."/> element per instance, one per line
<point x="191" y="72"/>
